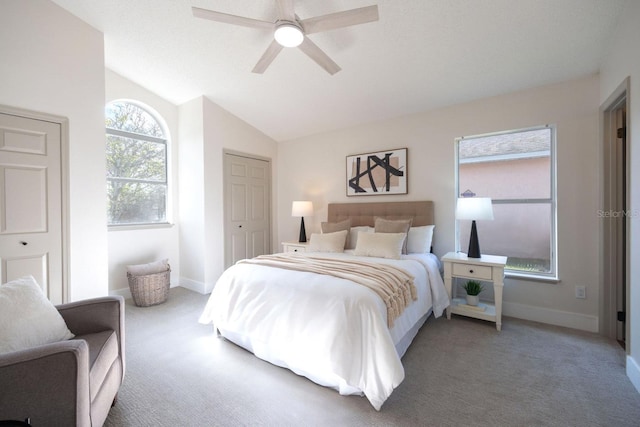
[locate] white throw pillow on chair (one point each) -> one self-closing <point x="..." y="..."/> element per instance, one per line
<point x="27" y="318"/>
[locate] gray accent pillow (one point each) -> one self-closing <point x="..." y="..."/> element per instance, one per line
<point x="383" y="225"/>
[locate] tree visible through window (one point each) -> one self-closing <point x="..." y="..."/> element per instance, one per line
<point x="516" y="170"/>
<point x="136" y="166"/>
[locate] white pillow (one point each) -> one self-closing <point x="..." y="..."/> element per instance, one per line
<point x="382" y="245"/>
<point x="383" y="225"/>
<point x="150" y="268"/>
<point x="353" y="235"/>
<point x="328" y="242"/>
<point x="332" y="227"/>
<point x="419" y="239"/>
<point x="27" y="318"/>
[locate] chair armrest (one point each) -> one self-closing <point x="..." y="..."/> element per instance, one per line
<point x="96" y="315"/>
<point x="48" y="384"/>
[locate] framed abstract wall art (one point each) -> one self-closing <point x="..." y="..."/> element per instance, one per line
<point x="382" y="172"/>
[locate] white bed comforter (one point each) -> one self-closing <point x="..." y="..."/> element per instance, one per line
<point x="331" y="330"/>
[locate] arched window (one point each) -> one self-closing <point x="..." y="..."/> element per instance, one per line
<point x="136" y="166"/>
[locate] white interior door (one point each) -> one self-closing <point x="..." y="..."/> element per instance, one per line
<point x="247" y="207"/>
<point x="31" y="202"/>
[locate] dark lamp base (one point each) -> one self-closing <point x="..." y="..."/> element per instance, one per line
<point x="303" y="234"/>
<point x="474" y="245"/>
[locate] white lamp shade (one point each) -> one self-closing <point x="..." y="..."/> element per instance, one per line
<point x="474" y="208"/>
<point x="288" y="35"/>
<point x="302" y="208"/>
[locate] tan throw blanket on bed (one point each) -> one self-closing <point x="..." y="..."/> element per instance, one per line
<point x="394" y="285"/>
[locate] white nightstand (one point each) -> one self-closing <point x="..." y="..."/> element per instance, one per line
<point x="489" y="268"/>
<point x="294" y="246"/>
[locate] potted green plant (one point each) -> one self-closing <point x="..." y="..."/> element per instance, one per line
<point x="473" y="289"/>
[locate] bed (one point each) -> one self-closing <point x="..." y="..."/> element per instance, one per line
<point x="310" y="313"/>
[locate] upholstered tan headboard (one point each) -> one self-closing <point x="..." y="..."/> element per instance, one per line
<point x="364" y="213"/>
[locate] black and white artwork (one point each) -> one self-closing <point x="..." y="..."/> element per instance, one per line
<point x="382" y="172"/>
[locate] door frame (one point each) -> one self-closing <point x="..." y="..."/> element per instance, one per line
<point x="226" y="195"/>
<point x="608" y="273"/>
<point x="63" y="122"/>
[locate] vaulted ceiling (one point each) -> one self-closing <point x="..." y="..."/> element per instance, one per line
<point x="420" y="55"/>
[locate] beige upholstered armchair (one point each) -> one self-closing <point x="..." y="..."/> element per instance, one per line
<point x="73" y="382"/>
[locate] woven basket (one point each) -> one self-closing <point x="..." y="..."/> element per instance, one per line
<point x="150" y="289"/>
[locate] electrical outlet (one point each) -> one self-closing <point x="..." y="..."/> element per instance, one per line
<point x="581" y="292"/>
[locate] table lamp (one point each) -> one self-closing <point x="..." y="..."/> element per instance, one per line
<point x="302" y="209"/>
<point x="474" y="208"/>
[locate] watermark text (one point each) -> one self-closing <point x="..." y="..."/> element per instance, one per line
<point x="630" y="213"/>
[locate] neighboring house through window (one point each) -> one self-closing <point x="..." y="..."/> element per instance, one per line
<point x="516" y="169"/>
<point x="136" y="166"/>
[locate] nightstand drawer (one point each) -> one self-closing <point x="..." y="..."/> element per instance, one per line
<point x="294" y="247"/>
<point x="472" y="271"/>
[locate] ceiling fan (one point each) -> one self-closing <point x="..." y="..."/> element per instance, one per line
<point x="290" y="31"/>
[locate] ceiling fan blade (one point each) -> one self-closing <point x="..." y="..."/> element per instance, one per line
<point x="321" y="58"/>
<point x="230" y="19"/>
<point x="267" y="57"/>
<point x="343" y="19"/>
<point x="285" y="10"/>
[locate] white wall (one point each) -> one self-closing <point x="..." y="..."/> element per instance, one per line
<point x="622" y="61"/>
<point x="223" y="130"/>
<point x="53" y="63"/>
<point x="137" y="246"/>
<point x="191" y="189"/>
<point x="205" y="131"/>
<point x="313" y="168"/>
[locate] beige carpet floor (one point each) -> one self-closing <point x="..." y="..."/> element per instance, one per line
<point x="459" y="372"/>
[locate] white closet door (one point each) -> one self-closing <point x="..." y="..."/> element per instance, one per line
<point x="247" y="207"/>
<point x="31" y="202"/>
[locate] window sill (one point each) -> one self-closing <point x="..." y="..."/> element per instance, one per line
<point x="131" y="227"/>
<point x="531" y="278"/>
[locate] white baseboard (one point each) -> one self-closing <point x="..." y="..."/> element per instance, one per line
<point x="633" y="372"/>
<point x="195" y="286"/>
<point x="126" y="292"/>
<point x="554" y="317"/>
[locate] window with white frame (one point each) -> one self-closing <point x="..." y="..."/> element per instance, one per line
<point x="136" y="166"/>
<point x="516" y="169"/>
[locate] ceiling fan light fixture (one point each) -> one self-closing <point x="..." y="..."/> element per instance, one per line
<point x="288" y="34"/>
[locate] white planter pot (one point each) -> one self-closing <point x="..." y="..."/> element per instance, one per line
<point x="473" y="299"/>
